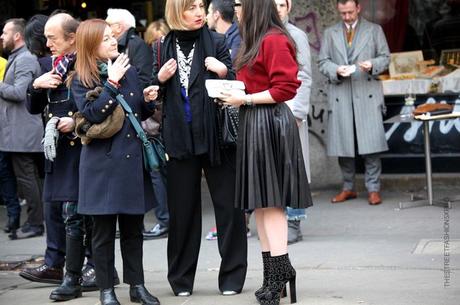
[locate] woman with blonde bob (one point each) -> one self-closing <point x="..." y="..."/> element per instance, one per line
<point x="189" y="55"/>
<point x="113" y="183"/>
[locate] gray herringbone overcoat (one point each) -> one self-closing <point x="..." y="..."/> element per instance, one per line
<point x="358" y="98"/>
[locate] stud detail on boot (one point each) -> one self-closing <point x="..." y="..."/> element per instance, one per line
<point x="281" y="272"/>
<point x="266" y="268"/>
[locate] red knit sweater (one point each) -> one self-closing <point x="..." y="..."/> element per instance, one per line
<point x="274" y="68"/>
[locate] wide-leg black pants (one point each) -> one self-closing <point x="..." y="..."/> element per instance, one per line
<point x="131" y="241"/>
<point x="184" y="203"/>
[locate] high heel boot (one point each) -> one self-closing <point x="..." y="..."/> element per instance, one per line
<point x="281" y="272"/>
<point x="266" y="269"/>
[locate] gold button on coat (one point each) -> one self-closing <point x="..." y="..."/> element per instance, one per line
<point x="70" y="113"/>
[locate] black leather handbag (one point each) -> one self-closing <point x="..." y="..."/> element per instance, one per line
<point x="228" y="120"/>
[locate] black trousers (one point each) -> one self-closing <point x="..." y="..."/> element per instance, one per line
<point x="184" y="203"/>
<point x="131" y="241"/>
<point x="31" y="185"/>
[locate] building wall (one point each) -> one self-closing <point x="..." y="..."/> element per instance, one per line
<point x="313" y="16"/>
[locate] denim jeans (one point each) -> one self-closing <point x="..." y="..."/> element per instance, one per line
<point x="8" y="187"/>
<point x="295" y="214"/>
<point x="160" y="206"/>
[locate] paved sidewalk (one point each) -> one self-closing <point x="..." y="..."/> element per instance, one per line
<point x="352" y="254"/>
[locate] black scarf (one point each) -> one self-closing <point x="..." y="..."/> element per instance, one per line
<point x="177" y="135"/>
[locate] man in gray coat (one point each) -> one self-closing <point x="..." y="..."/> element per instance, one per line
<point x="21" y="132"/>
<point x="353" y="53"/>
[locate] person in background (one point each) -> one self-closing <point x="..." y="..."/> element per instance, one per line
<point x="353" y="53"/>
<point x="300" y="106"/>
<point x="220" y="18"/>
<point x="155" y="30"/>
<point x="270" y="168"/>
<point x="189" y="55"/>
<point x="3" y="63"/>
<point x="8" y="186"/>
<point x="123" y="25"/>
<point x="113" y="184"/>
<point x="21" y="132"/>
<point x="152" y="127"/>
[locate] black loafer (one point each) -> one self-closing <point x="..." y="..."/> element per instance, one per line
<point x="139" y="294"/>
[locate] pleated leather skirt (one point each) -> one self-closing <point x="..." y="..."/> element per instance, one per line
<point x="270" y="170"/>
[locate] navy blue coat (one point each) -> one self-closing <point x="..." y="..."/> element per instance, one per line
<point x="112" y="175"/>
<point x="61" y="176"/>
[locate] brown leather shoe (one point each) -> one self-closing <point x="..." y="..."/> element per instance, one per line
<point x="374" y="198"/>
<point x="43" y="274"/>
<point x="343" y="196"/>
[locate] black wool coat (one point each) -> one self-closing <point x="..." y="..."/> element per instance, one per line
<point x="61" y="175"/>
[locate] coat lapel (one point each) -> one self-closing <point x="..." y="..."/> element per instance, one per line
<point x="361" y="39"/>
<point x="339" y="36"/>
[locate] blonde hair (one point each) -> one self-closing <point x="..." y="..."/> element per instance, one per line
<point x="88" y="39"/>
<point x="174" y="10"/>
<point x="153" y="28"/>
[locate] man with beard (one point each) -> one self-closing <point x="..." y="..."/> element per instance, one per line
<point x="21" y="132"/>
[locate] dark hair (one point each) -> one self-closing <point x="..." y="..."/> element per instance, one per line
<point x="257" y="18"/>
<point x="226" y="8"/>
<point x="18" y="25"/>
<point x="345" y="1"/>
<point x="34" y="35"/>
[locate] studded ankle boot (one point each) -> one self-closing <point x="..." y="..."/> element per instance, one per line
<point x="266" y="269"/>
<point x="281" y="272"/>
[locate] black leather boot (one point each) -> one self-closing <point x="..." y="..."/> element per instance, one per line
<point x="139" y="294"/>
<point x="69" y="289"/>
<point x="11" y="226"/>
<point x="281" y="272"/>
<point x="266" y="269"/>
<point x="108" y="297"/>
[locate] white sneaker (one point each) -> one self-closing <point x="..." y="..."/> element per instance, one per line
<point x="183" y="294"/>
<point x="229" y="292"/>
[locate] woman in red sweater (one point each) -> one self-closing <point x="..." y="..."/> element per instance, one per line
<point x="270" y="168"/>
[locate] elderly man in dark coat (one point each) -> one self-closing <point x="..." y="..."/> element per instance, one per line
<point x="123" y="25"/>
<point x="353" y="53"/>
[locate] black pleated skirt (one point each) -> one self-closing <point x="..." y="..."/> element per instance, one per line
<point x="270" y="169"/>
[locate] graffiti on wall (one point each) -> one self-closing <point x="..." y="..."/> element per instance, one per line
<point x="313" y="16"/>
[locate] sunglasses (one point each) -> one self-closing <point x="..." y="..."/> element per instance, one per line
<point x="237" y="5"/>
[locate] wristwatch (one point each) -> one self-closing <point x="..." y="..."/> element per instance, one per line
<point x="248" y="100"/>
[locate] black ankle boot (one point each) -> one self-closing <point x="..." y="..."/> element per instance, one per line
<point x="69" y="289"/>
<point x="108" y="297"/>
<point x="11" y="226"/>
<point x="139" y="294"/>
<point x="266" y="271"/>
<point x="281" y="272"/>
